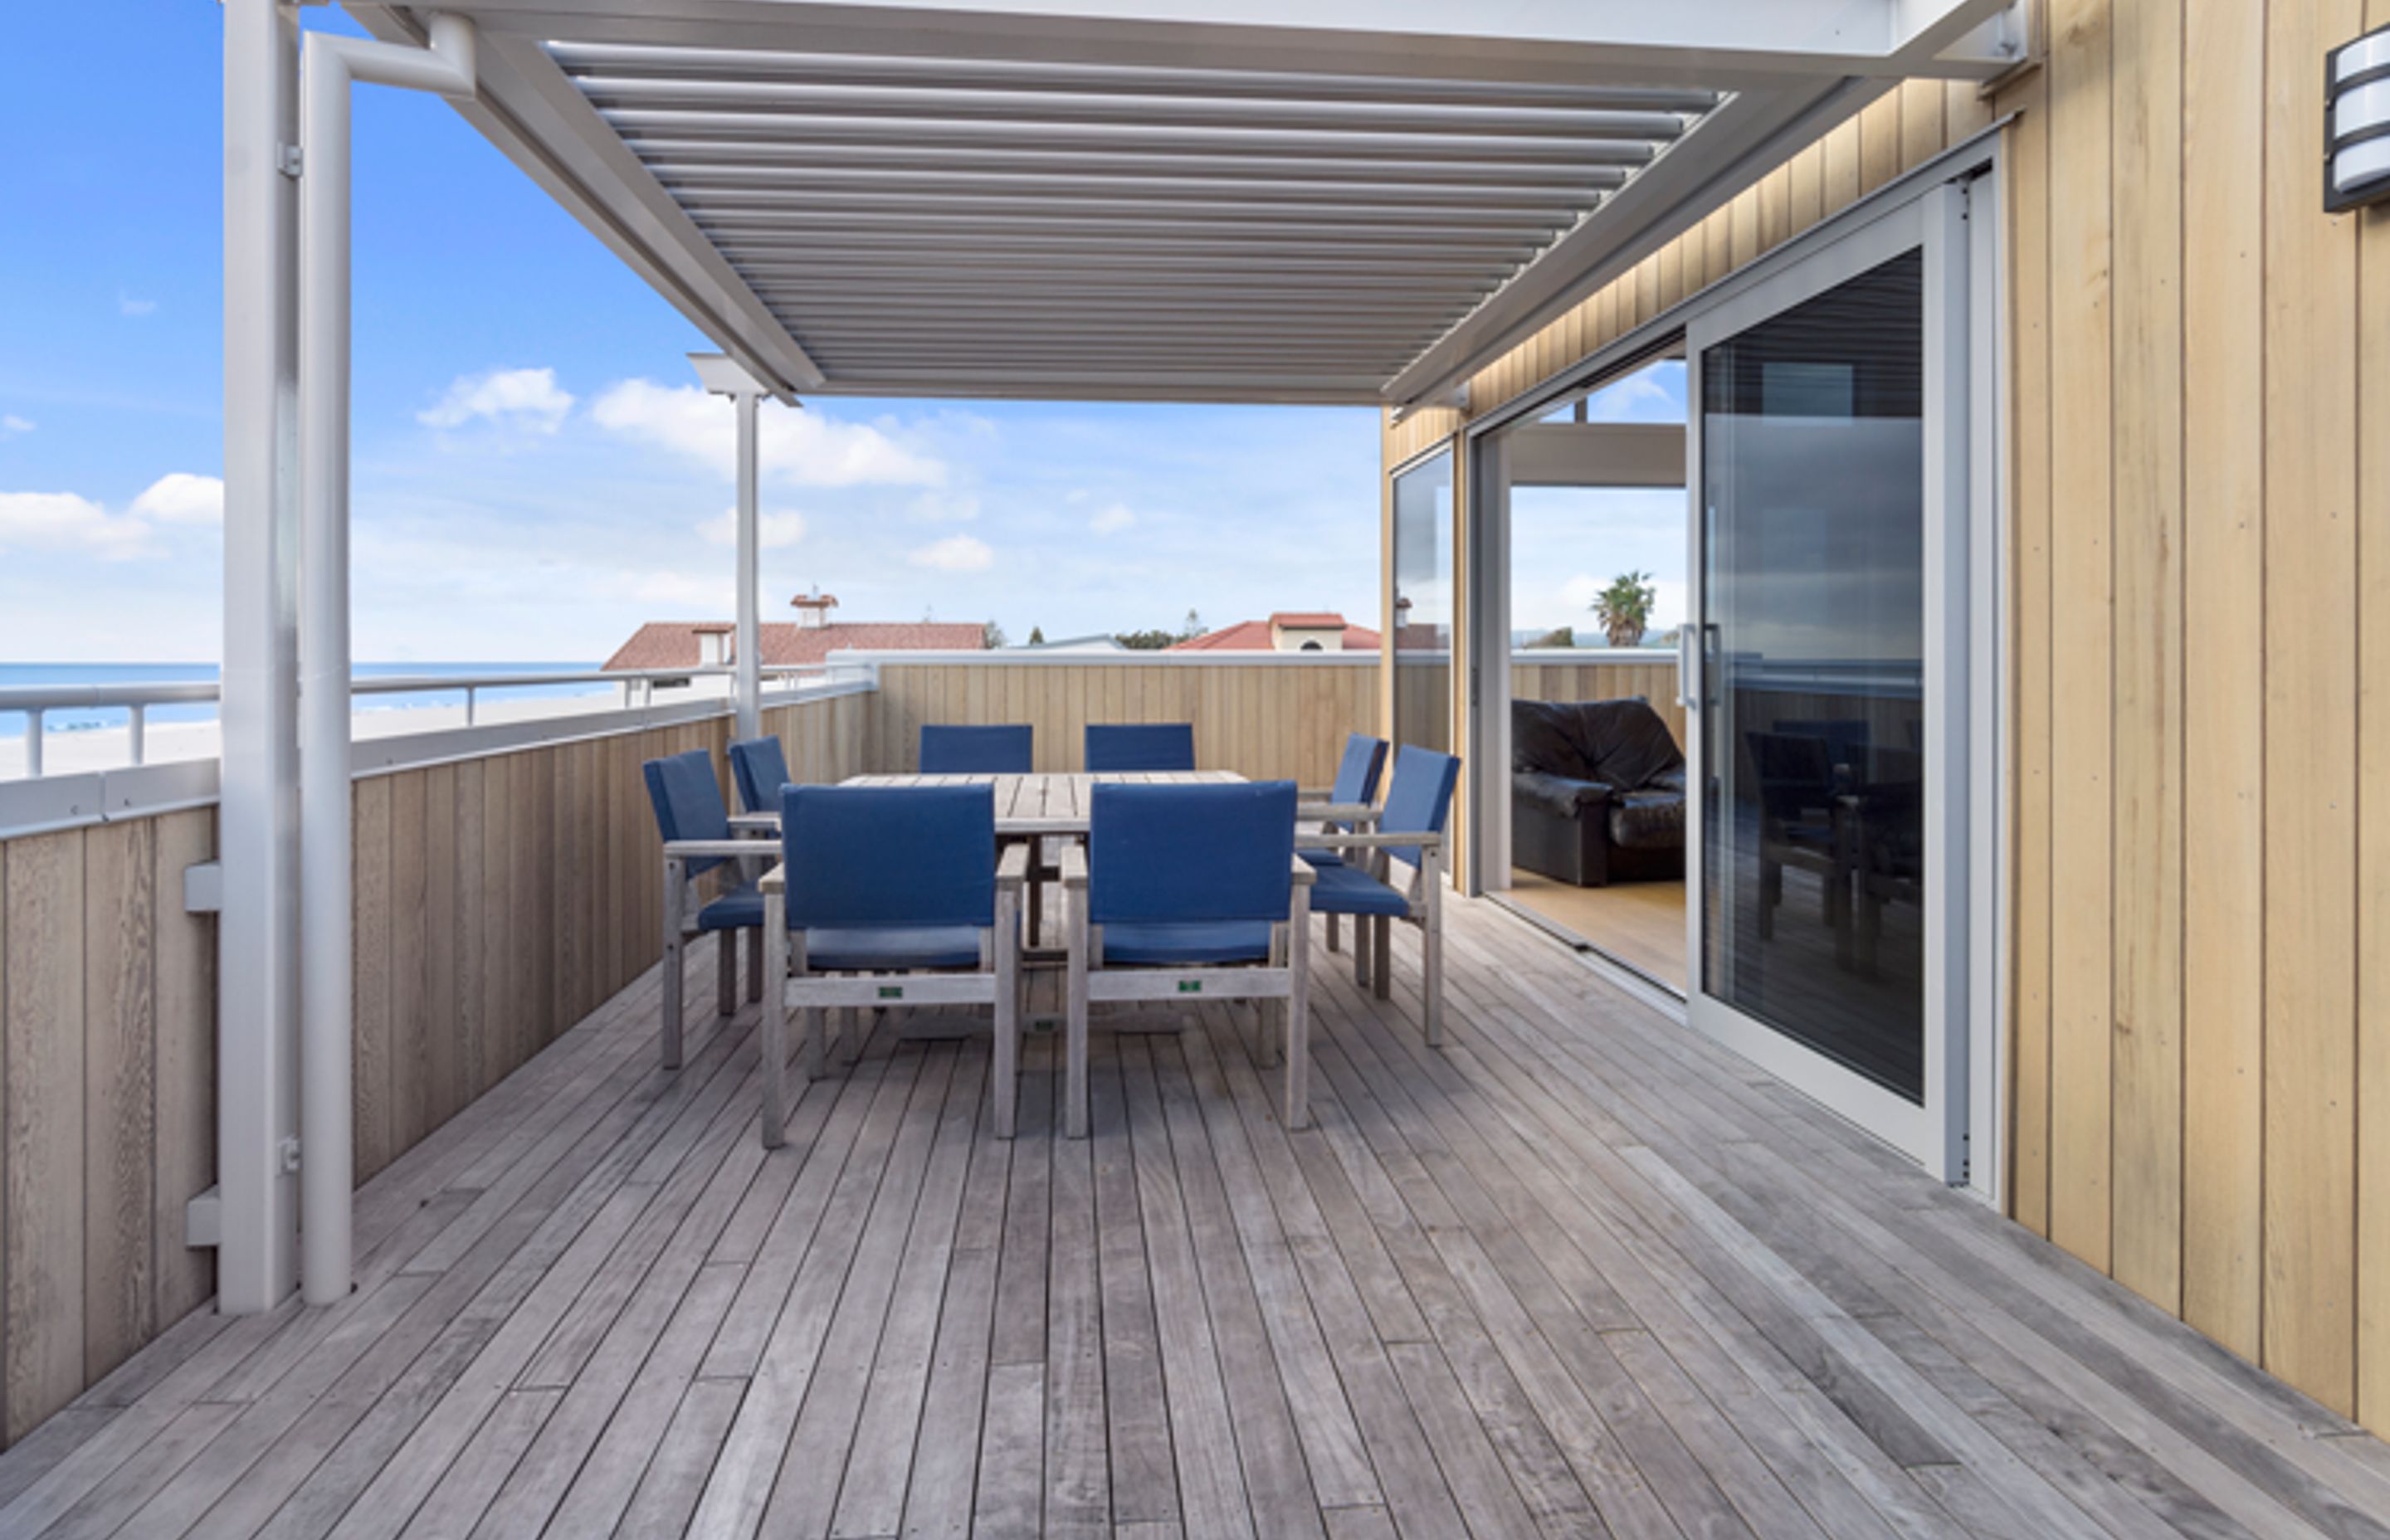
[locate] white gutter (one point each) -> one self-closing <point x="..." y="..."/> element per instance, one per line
<point x="328" y="66"/>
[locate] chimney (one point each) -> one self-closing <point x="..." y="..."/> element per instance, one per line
<point x="813" y="609"/>
<point x="714" y="643"/>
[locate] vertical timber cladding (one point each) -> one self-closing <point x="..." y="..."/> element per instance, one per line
<point x="2199" y="651"/>
<point x="1281" y="719"/>
<point x="499" y="901"/>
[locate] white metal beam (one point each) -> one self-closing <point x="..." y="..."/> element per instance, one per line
<point x="1730" y="42"/>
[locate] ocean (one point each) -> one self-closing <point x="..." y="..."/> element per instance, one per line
<point x="83" y="719"/>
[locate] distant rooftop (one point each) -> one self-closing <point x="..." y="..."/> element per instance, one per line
<point x="1287" y="630"/>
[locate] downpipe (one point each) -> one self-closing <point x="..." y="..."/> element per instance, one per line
<point x="330" y="65"/>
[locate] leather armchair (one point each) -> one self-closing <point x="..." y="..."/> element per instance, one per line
<point x="1597" y="792"/>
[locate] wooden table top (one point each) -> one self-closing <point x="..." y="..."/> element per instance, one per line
<point x="1048" y="804"/>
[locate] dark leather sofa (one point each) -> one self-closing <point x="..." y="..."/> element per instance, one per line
<point x="1597" y="792"/>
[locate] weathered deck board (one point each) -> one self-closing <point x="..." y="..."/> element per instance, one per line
<point x="1575" y="1274"/>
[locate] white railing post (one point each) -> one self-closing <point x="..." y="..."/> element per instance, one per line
<point x="138" y="733"/>
<point x="33" y="745"/>
<point x="470" y="705"/>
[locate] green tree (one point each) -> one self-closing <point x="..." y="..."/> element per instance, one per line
<point x="1191" y="628"/>
<point x="993" y="637"/>
<point x="1624" y="608"/>
<point x="1146" y="641"/>
<point x="1564" y="635"/>
<point x="1037" y="636"/>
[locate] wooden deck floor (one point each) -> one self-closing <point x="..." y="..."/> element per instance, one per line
<point x="1579" y="1274"/>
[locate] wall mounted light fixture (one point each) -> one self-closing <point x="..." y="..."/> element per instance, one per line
<point x="2356" y="123"/>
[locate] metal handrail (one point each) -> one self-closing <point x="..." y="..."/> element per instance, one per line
<point x="37" y="700"/>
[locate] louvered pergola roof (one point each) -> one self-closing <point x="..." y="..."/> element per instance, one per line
<point x="1228" y="200"/>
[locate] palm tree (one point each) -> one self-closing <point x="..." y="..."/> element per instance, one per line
<point x="1624" y="608"/>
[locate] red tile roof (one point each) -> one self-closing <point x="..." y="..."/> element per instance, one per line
<point x="1307" y="620"/>
<point x="1255" y="637"/>
<point x="673" y="643"/>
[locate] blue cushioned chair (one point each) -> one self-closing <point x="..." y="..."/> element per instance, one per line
<point x="1009" y="750"/>
<point x="1409" y="828"/>
<point x="1349" y="798"/>
<point x="761" y="770"/>
<point x="876" y="886"/>
<point x="696" y="829"/>
<point x="1182" y="890"/>
<point x="1126" y="747"/>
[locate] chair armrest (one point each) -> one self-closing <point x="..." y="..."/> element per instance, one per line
<point x="774" y="882"/>
<point x="1343" y="813"/>
<point x="1304" y="874"/>
<point x="759" y="823"/>
<point x="1380" y="841"/>
<point x="1073" y="865"/>
<point x="1313" y="793"/>
<point x="1012" y="866"/>
<point x="699" y="850"/>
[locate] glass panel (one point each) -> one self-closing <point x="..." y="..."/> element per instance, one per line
<point x="1423" y="605"/>
<point x="1813" y="701"/>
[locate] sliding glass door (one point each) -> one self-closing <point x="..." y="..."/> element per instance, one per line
<point x="1826" y="675"/>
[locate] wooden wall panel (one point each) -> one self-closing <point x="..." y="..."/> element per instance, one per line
<point x="2310" y="545"/>
<point x="2224" y="731"/>
<point x="2373" y="1092"/>
<point x="1266" y="721"/>
<point x="42" y="1032"/>
<point x="2145" y="192"/>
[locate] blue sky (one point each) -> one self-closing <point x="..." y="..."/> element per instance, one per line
<point x="533" y="475"/>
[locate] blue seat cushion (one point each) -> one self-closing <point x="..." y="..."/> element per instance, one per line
<point x="1190" y="942"/>
<point x="891" y="948"/>
<point x="738" y="909"/>
<point x="1342" y="889"/>
<point x="1322" y="857"/>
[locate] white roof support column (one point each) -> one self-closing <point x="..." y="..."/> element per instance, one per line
<point x="326" y="1170"/>
<point x="723" y="375"/>
<point x="257" y="842"/>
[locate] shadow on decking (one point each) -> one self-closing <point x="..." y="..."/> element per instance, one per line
<point x="1578" y="1271"/>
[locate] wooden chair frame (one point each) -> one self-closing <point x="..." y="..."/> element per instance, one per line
<point x="680" y="926"/>
<point x="996" y="982"/>
<point x="1287" y="976"/>
<point x="1424" y="907"/>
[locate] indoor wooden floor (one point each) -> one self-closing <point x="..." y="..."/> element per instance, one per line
<point x="1579" y="1274"/>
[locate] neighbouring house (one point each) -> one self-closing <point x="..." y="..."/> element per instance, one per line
<point x="1288" y="631"/>
<point x="808" y="639"/>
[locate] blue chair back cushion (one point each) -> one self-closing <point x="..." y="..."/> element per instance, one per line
<point x="1420" y="798"/>
<point x="1182" y="853"/>
<point x="1126" y="747"/>
<point x="761" y="769"/>
<point x="1010" y="750"/>
<point x="863" y="856"/>
<point x="688" y="801"/>
<point x="1358" y="771"/>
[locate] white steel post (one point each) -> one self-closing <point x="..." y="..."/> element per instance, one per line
<point x="257" y="931"/>
<point x="749" y="637"/>
<point x="327" y="1165"/>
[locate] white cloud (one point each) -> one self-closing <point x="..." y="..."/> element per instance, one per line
<point x="945" y="508"/>
<point x="182" y="498"/>
<point x="955" y="553"/>
<point x="12" y="425"/>
<point x="127" y="305"/>
<point x="774" y="531"/>
<point x="803" y="448"/>
<point x="1114" y="518"/>
<point x="63" y="521"/>
<point x="518" y="398"/>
